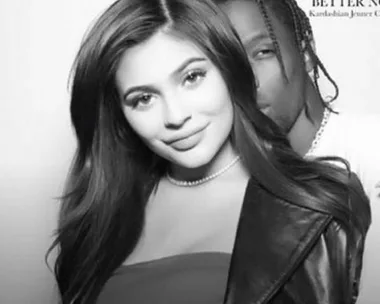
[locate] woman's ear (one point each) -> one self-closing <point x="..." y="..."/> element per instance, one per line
<point x="308" y="54"/>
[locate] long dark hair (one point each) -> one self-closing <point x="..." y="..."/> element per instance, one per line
<point x="113" y="173"/>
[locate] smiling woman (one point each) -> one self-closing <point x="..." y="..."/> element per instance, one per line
<point x="176" y="102"/>
<point x="182" y="191"/>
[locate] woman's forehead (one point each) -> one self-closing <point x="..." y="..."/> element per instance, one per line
<point x="156" y="58"/>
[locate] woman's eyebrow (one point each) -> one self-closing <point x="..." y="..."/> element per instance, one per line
<point x="186" y="63"/>
<point x="178" y="70"/>
<point x="145" y="88"/>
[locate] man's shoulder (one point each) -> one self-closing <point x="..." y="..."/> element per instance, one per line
<point x="353" y="120"/>
<point x="352" y="128"/>
<point x="347" y="129"/>
<point x="353" y="136"/>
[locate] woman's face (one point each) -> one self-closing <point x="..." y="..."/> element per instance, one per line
<point x="175" y="99"/>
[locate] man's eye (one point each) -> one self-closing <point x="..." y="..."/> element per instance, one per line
<point x="266" y="51"/>
<point x="194" y="77"/>
<point x="263" y="53"/>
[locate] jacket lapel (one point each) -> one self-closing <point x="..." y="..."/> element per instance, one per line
<point x="272" y="239"/>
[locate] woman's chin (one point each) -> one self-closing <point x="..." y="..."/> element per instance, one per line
<point x="190" y="159"/>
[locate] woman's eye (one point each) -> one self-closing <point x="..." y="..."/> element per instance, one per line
<point x="142" y="100"/>
<point x="194" y="77"/>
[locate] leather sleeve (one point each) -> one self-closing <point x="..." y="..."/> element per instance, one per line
<point x="288" y="254"/>
<point x="323" y="277"/>
<point x="330" y="274"/>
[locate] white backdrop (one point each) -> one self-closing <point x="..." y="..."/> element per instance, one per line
<point x="38" y="41"/>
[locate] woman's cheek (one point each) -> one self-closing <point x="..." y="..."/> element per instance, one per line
<point x="146" y="124"/>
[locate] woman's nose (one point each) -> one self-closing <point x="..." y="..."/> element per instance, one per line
<point x="177" y="113"/>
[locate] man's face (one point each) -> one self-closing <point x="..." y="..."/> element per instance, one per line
<point x="278" y="98"/>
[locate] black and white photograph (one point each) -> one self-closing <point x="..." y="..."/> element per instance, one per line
<point x="190" y="152"/>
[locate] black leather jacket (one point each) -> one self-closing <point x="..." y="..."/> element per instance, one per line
<point x="286" y="254"/>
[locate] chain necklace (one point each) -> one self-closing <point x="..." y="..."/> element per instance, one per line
<point x="318" y="135"/>
<point x="203" y="180"/>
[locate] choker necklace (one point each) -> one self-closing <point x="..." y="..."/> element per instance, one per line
<point x="203" y="180"/>
<point x="318" y="135"/>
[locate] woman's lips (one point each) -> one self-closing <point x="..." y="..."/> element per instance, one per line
<point x="187" y="142"/>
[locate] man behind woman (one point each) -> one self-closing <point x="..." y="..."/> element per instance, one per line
<point x="182" y="191"/>
<point x="279" y="42"/>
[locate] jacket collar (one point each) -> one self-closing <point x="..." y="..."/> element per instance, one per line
<point x="272" y="239"/>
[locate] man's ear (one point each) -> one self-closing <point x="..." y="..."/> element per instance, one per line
<point x="307" y="56"/>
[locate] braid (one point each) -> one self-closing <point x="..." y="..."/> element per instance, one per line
<point x="303" y="34"/>
<point x="272" y="35"/>
<point x="307" y="34"/>
<point x="298" y="26"/>
<point x="302" y="30"/>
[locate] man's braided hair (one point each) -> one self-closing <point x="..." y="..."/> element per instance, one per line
<point x="289" y="13"/>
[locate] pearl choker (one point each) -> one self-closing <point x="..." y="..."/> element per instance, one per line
<point x="203" y="180"/>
